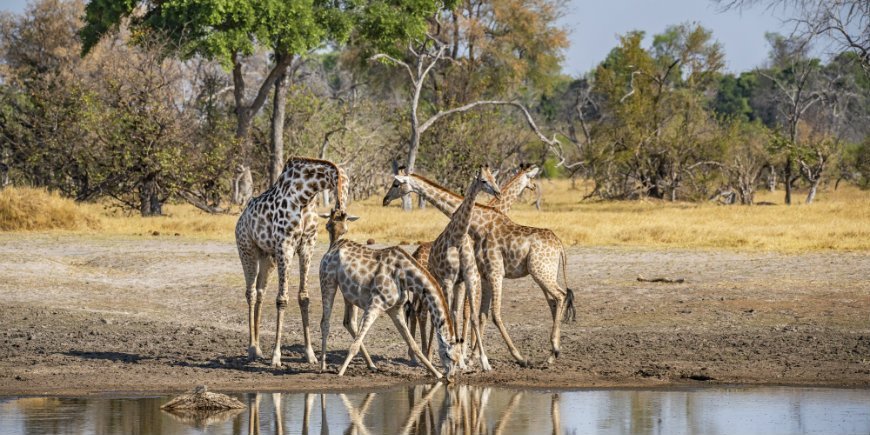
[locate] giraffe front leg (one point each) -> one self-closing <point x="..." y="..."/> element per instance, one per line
<point x="281" y="303"/>
<point x="304" y="302"/>
<point x="350" y="325"/>
<point x="403" y="329"/>
<point x="473" y="285"/>
<point x="368" y="319"/>
<point x="265" y="268"/>
<point x="328" y="287"/>
<point x="249" y="266"/>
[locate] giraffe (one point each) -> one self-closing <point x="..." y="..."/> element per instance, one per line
<point x="452" y="257"/>
<point x="514" y="187"/>
<point x="503" y="249"/>
<point x="510" y="192"/>
<point x="380" y="281"/>
<point x="273" y="225"/>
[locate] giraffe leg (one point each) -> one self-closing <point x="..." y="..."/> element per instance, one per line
<point x="555" y="299"/>
<point x="265" y="268"/>
<point x="368" y="319"/>
<point x="249" y="266"/>
<point x="471" y="279"/>
<point x="280" y="303"/>
<point x="411" y="320"/>
<point x="304" y="253"/>
<point x="496" y="281"/>
<point x="448" y="285"/>
<point x="328" y="288"/>
<point x="350" y="325"/>
<point x="403" y="329"/>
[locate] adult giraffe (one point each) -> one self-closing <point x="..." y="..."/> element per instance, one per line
<point x="273" y="226"/>
<point x="503" y="249"/>
<point x="510" y="191"/>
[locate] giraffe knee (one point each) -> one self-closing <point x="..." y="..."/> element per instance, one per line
<point x="281" y="302"/>
<point x="249" y="295"/>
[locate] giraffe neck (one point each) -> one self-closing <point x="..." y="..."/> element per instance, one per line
<point x="461" y="219"/>
<point x="509" y="193"/>
<point x="302" y="179"/>
<point x="440" y="197"/>
<point x="431" y="294"/>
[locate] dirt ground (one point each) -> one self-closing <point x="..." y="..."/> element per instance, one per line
<point x="93" y="315"/>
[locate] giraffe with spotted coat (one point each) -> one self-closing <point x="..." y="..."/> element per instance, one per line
<point x="510" y="192"/>
<point x="276" y="224"/>
<point x="381" y="281"/>
<point x="503" y="249"/>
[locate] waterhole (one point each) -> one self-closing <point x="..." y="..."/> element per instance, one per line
<point x="440" y="409"/>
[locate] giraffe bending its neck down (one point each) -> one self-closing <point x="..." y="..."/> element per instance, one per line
<point x="380" y="281"/>
<point x="452" y="259"/>
<point x="510" y="192"/>
<point x="503" y="249"/>
<point x="274" y="225"/>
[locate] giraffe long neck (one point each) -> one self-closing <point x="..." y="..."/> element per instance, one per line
<point x="509" y="193"/>
<point x="440" y="197"/>
<point x="431" y="294"/>
<point x="303" y="179"/>
<point x="461" y="219"/>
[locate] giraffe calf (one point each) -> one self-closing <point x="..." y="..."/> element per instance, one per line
<point x="381" y="281"/>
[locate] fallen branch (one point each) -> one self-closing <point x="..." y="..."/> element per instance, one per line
<point x="664" y="280"/>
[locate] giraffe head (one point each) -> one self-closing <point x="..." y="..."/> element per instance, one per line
<point x="336" y="223"/>
<point x="400" y="187"/>
<point x="450" y="354"/>
<point x="487" y="181"/>
<point x="527" y="172"/>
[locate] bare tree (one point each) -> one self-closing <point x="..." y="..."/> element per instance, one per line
<point x="426" y="55"/>
<point x="846" y="23"/>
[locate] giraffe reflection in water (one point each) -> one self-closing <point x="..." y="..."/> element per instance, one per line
<point x="422" y="409"/>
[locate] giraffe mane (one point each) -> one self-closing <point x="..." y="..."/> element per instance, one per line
<point x="438" y="289"/>
<point x="451" y="193"/>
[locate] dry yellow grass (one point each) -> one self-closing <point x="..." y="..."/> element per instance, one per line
<point x="26" y="209"/>
<point x="838" y="221"/>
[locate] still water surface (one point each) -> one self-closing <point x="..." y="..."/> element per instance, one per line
<point x="441" y="409"/>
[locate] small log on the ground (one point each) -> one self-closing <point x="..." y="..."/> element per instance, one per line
<point x="201" y="399"/>
<point x="664" y="280"/>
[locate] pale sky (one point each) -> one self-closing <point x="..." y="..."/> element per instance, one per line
<point x="595" y="24"/>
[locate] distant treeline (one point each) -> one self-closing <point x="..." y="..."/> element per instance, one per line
<point x="158" y="111"/>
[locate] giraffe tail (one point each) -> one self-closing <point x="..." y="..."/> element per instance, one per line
<point x="570" y="313"/>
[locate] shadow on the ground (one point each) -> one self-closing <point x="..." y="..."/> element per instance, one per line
<point x="110" y="356"/>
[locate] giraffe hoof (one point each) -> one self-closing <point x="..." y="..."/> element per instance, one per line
<point x="312" y="359"/>
<point x="525" y="364"/>
<point x="254" y="354"/>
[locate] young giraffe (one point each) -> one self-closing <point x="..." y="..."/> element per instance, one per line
<point x="274" y="225"/>
<point x="510" y="192"/>
<point x="503" y="249"/>
<point x="380" y="281"/>
<point x="452" y="258"/>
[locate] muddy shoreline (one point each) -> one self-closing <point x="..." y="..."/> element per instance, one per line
<point x="163" y="314"/>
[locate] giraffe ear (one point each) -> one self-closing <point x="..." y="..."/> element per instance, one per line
<point x="323" y="215"/>
<point x="352" y="218"/>
<point x="533" y="172"/>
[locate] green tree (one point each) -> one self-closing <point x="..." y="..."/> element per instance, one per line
<point x="230" y="30"/>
